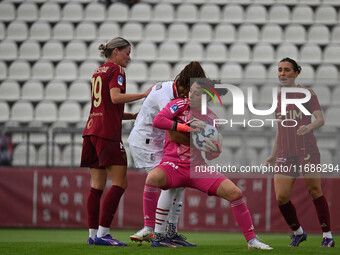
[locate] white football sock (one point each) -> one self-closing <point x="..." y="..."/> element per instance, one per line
<point x="327" y="234"/>
<point x="103" y="231"/>
<point x="93" y="233"/>
<point x="299" y="231"/>
<point x="163" y="208"/>
<point x="176" y="207"/>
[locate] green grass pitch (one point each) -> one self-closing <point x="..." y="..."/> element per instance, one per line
<point x="64" y="242"/>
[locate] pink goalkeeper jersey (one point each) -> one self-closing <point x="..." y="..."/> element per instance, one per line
<point x="179" y="110"/>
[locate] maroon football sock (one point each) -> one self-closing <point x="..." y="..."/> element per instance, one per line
<point x="93" y="208"/>
<point x="322" y="210"/>
<point x="110" y="205"/>
<point x="288" y="212"/>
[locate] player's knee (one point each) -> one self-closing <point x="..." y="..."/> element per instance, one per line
<point x="99" y="185"/>
<point x="154" y="179"/>
<point x="236" y="193"/>
<point x="282" y="199"/>
<point x="121" y="183"/>
<point x="230" y="193"/>
<point x="315" y="192"/>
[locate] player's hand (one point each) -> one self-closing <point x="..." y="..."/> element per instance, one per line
<point x="302" y="130"/>
<point x="196" y="123"/>
<point x="184" y="127"/>
<point x="208" y="145"/>
<point x="212" y="146"/>
<point x="220" y="140"/>
<point x="270" y="161"/>
<point x="146" y="93"/>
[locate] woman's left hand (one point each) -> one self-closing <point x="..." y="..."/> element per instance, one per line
<point x="304" y="129"/>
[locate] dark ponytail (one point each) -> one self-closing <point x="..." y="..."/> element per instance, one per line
<point x="191" y="70"/>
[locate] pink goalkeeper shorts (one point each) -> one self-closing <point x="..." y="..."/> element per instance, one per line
<point x="178" y="175"/>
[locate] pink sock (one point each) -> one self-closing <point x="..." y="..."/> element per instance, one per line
<point x="150" y="198"/>
<point x="243" y="218"/>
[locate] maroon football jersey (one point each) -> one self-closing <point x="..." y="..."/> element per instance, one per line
<point x="289" y="143"/>
<point x="105" y="118"/>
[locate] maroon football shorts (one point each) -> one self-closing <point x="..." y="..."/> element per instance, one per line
<point x="99" y="153"/>
<point x="294" y="166"/>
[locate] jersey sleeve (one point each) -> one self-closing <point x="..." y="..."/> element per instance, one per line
<point x="313" y="103"/>
<point x="117" y="77"/>
<point x="163" y="119"/>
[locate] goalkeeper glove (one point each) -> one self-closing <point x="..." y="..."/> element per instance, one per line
<point x="193" y="125"/>
<point x="212" y="146"/>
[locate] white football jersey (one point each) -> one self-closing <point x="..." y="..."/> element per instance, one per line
<point x="143" y="134"/>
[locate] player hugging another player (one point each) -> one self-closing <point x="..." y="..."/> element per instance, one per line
<point x="174" y="170"/>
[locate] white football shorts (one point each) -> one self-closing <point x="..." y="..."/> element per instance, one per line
<point x="144" y="159"/>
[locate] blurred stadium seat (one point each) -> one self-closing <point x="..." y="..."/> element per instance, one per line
<point x="302" y="14"/>
<point x="8" y="50"/>
<point x="43" y="70"/>
<point x="279" y="14"/>
<point x="53" y="50"/>
<point x="22" y="111"/>
<point x="141" y="12"/>
<point x="192" y="50"/>
<point x="256" y="14"/>
<point x="248" y="33"/>
<point x="10" y="90"/>
<point x="169" y="51"/>
<point x="32" y="90"/>
<point x="233" y="13"/>
<point x="72" y="12"/>
<point x="19" y="70"/>
<point x="187" y="12"/>
<point x="209" y="13"/>
<point x="17" y="31"/>
<point x="27" y="11"/>
<point x="50" y="12"/>
<point x="40" y="31"/>
<point x="29" y="50"/>
<point x="216" y="52"/>
<point x="319" y="34"/>
<point x="46" y="112"/>
<point x="7" y="11"/>
<point x="118" y="12"/>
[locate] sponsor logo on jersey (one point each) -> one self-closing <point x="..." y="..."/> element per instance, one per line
<point x="120" y="80"/>
<point x="281" y="160"/>
<point x="174" y="108"/>
<point x="89" y="123"/>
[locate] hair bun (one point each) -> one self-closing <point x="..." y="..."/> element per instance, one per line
<point x="102" y="46"/>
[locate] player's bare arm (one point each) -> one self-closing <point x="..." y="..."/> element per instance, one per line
<point x="271" y="160"/>
<point x="118" y="98"/>
<point x="318" y="122"/>
<point x="129" y="116"/>
<point x="178" y="137"/>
